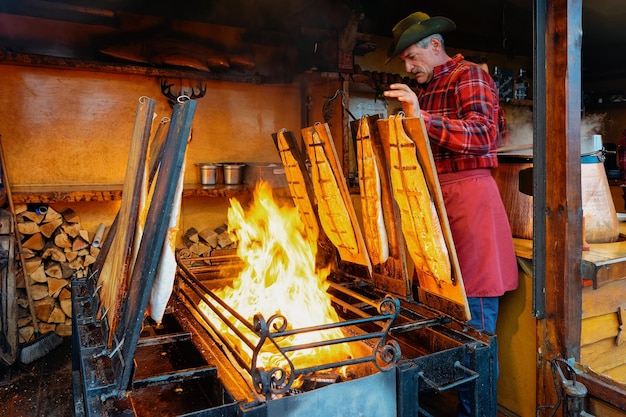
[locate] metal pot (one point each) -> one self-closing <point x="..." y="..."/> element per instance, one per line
<point x="208" y="173"/>
<point x="233" y="173"/>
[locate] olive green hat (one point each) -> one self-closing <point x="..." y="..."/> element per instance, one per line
<point x="414" y="28"/>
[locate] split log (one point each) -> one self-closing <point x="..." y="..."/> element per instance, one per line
<point x="88" y="260"/>
<point x="43" y="308"/>
<point x="70" y="255"/>
<point x="200" y="249"/>
<point x="24" y="321"/>
<point x="35" y="242"/>
<point x="39" y="274"/>
<point x="64" y="329"/>
<point x="70" y="216"/>
<point x="28" y="253"/>
<point x="65" y="294"/>
<point x="47" y="229"/>
<point x="28" y="228"/>
<point x="55" y="286"/>
<point x="39" y="291"/>
<point x="190" y="237"/>
<point x="76" y="263"/>
<point x="47" y="327"/>
<point x="79" y="244"/>
<point x="224" y="240"/>
<point x="66" y="306"/>
<point x="26" y="333"/>
<point x="52" y="216"/>
<point x="84" y="235"/>
<point x="53" y="270"/>
<point x="209" y="236"/>
<point x="32" y="263"/>
<point x="72" y="229"/>
<point x="62" y="240"/>
<point x="57" y="315"/>
<point x="53" y="252"/>
<point x="33" y="216"/>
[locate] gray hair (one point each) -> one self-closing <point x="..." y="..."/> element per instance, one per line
<point x="423" y="43"/>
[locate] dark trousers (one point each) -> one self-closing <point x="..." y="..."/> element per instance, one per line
<point x="484" y="312"/>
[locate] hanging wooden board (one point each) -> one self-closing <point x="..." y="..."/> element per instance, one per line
<point x="389" y="273"/>
<point x="334" y="204"/>
<point x="154" y="237"/>
<point x="113" y="276"/>
<point x="422" y="212"/>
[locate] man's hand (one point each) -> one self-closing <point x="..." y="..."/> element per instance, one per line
<point x="406" y="96"/>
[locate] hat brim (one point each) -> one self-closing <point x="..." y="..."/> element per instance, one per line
<point x="417" y="32"/>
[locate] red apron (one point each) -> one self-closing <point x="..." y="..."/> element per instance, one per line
<point x="481" y="232"/>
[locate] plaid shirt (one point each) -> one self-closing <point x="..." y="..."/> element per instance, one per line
<point x="461" y="111"/>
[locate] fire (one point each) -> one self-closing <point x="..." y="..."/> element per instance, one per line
<point x="280" y="277"/>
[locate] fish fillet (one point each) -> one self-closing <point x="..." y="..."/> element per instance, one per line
<point x="331" y="207"/>
<point x="297" y="187"/>
<point x="420" y="223"/>
<point x="166" y="271"/>
<point x="370" y="187"/>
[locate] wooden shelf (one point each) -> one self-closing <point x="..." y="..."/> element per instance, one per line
<point x="8" y="57"/>
<point x="514" y="102"/>
<point x="110" y="192"/>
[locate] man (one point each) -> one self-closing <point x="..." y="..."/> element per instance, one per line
<point x="459" y="104"/>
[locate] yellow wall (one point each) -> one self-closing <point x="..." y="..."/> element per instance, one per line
<point x="517" y="349"/>
<point x="66" y="127"/>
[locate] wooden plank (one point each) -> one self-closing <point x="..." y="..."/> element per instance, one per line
<point x="324" y="158"/>
<point x="604" y="300"/>
<point x="66" y="193"/>
<point x="114" y="273"/>
<point x="34" y="60"/>
<point x="602" y="389"/>
<point x="8" y="295"/>
<point x="598" y="328"/>
<point x="154" y="237"/>
<point x="447" y="295"/>
<point x="597" y="407"/>
<point x="301" y="192"/>
<point x="603" y="355"/>
<point x="617" y="373"/>
<point x="392" y="275"/>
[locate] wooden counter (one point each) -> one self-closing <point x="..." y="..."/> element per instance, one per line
<point x="601" y="264"/>
<point x="603" y="314"/>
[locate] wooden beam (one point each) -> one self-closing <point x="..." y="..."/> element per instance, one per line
<point x="559" y="205"/>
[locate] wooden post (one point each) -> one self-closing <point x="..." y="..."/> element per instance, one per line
<point x="558" y="206"/>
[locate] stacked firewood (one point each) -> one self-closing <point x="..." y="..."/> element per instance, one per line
<point x="203" y="243"/>
<point x="55" y="249"/>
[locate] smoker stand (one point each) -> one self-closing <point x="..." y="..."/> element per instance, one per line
<point x="184" y="367"/>
<point x="180" y="369"/>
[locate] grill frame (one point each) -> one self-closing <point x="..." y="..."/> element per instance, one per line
<point x="436" y="351"/>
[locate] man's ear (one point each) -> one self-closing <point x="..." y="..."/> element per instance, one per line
<point x="435" y="44"/>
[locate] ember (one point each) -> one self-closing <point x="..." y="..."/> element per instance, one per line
<point x="279" y="277"/>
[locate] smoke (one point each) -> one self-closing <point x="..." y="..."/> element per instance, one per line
<point x="520" y="121"/>
<point x="592" y="124"/>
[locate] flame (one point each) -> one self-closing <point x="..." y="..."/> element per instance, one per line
<point x="280" y="277"/>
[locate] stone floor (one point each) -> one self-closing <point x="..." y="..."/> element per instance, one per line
<point x="40" y="389"/>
